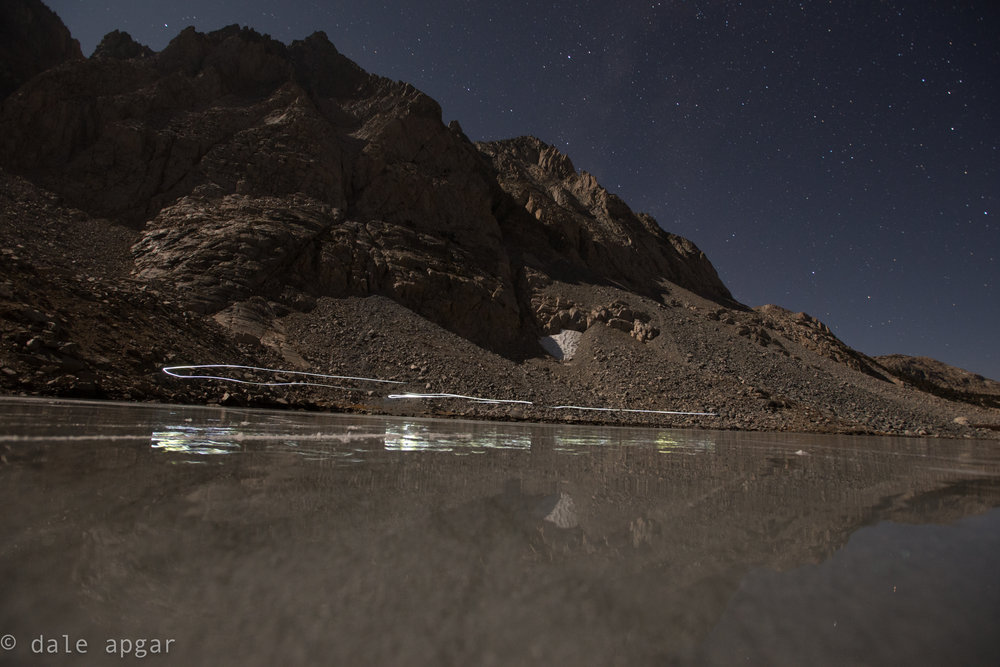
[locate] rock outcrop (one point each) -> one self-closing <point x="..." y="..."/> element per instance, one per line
<point x="809" y="332"/>
<point x="292" y="250"/>
<point x="943" y="380"/>
<point x="190" y="140"/>
<point x="120" y="46"/>
<point x="32" y="40"/>
<point x="577" y="230"/>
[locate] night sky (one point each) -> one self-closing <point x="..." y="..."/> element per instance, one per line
<point x="841" y="157"/>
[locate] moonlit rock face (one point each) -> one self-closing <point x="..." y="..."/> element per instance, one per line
<point x="562" y="345"/>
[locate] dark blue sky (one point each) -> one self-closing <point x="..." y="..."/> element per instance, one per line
<point x="841" y="157"/>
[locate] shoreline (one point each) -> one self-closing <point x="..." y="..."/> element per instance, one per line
<point x="230" y="401"/>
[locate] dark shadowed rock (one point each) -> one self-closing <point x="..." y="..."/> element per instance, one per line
<point x="32" y="40"/>
<point x="120" y="46"/>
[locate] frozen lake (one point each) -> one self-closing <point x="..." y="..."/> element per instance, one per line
<point x="233" y="536"/>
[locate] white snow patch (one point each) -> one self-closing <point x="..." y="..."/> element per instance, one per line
<point x="562" y="345"/>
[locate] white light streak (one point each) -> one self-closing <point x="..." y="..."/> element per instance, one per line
<point x="171" y="371"/>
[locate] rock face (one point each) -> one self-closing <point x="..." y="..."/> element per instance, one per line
<point x="292" y="250"/>
<point x="813" y="334"/>
<point x="587" y="233"/>
<point x="120" y="46"/>
<point x="233" y="199"/>
<point x="288" y="173"/>
<point x="220" y="140"/>
<point x="943" y="380"/>
<point x="32" y="40"/>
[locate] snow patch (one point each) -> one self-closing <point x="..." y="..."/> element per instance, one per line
<point x="562" y="345"/>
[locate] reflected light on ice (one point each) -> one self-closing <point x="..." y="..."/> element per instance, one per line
<point x="411" y="436"/>
<point x="668" y="443"/>
<point x="195" y="440"/>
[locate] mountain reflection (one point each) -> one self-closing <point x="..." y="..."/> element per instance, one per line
<point x="472" y="542"/>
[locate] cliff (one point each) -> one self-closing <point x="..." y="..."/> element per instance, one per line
<point x="287" y="172"/>
<point x="32" y="40"/>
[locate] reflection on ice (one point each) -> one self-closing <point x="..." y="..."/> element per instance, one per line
<point x="195" y="440"/>
<point x="669" y="443"/>
<point x="416" y="437"/>
<point x="245" y="436"/>
<point x="346" y="444"/>
<point x="562" y="512"/>
<point x="381" y="540"/>
<point x="666" y="442"/>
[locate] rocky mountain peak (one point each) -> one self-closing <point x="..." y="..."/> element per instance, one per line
<point x="394" y="202"/>
<point x="119" y="45"/>
<point x="533" y="152"/>
<point x="32" y="40"/>
<point x="589" y="231"/>
<point x="246" y="62"/>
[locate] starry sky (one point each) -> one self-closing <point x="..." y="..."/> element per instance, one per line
<point x="838" y="157"/>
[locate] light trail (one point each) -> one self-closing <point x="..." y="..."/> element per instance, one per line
<point x="171" y="371"/>
<point x="655" y="412"/>
<point x="475" y="399"/>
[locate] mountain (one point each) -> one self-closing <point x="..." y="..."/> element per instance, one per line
<point x="232" y="199"/>
<point x="943" y="380"/>
<point x="32" y="40"/>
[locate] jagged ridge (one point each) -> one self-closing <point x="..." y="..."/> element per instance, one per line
<point x="193" y="142"/>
